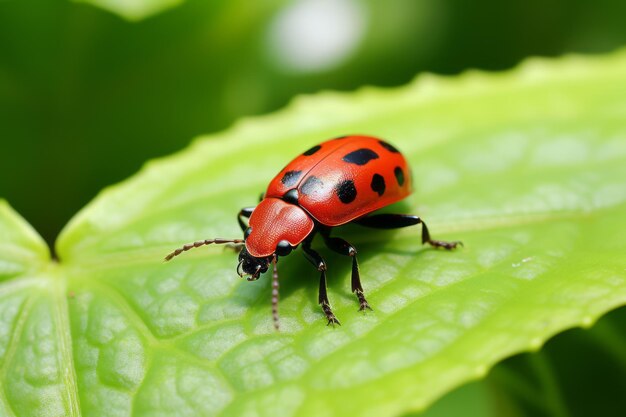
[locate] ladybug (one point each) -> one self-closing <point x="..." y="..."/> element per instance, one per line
<point x="339" y="181"/>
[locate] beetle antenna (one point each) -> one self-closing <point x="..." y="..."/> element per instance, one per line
<point x="275" y="293"/>
<point x="199" y="243"/>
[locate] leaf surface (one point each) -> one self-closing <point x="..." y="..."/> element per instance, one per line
<point x="527" y="168"/>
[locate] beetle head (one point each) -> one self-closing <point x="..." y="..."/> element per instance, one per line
<point x="252" y="266"/>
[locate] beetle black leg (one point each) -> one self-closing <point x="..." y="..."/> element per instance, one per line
<point x="396" y="221"/>
<point x="235" y="247"/>
<point x="344" y="248"/>
<point x="245" y="212"/>
<point x="437" y="243"/>
<point x="317" y="260"/>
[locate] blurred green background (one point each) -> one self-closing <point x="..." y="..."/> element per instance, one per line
<point x="86" y="96"/>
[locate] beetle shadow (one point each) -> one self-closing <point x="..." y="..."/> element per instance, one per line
<point x="368" y="242"/>
<point x="296" y="272"/>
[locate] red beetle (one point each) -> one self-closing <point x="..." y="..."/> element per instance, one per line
<point x="339" y="181"/>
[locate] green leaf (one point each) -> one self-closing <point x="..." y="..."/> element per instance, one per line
<point x="35" y="346"/>
<point x="527" y="168"/>
<point x="579" y="372"/>
<point x="21" y="248"/>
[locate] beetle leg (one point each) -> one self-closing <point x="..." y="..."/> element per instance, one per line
<point x="244" y="212"/>
<point x="344" y="248"/>
<point x="437" y="243"/>
<point x="396" y="221"/>
<point x="235" y="247"/>
<point x="317" y="260"/>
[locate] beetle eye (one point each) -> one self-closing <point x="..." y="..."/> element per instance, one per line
<point x="247" y="232"/>
<point x="283" y="248"/>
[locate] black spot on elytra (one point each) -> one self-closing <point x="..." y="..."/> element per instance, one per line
<point x="291" y="196"/>
<point x="399" y="175"/>
<point x="346" y="191"/>
<point x="312" y="150"/>
<point x="378" y="184"/>
<point x="388" y="146"/>
<point x="290" y="178"/>
<point x="310" y="185"/>
<point x="360" y="156"/>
